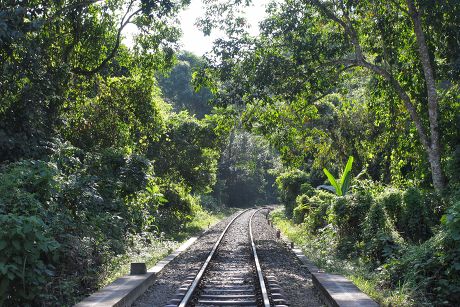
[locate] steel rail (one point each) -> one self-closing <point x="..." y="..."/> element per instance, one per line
<point x="260" y="276"/>
<point x="198" y="277"/>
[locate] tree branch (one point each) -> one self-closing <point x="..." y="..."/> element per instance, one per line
<point x="124" y="21"/>
<point x="361" y="61"/>
<point x="72" y="6"/>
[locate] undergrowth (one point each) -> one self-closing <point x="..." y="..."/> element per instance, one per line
<point x="153" y="250"/>
<point x="320" y="250"/>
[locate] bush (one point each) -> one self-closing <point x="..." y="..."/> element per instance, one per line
<point x="416" y="220"/>
<point x="289" y="187"/>
<point x="176" y="210"/>
<point x="27" y="253"/>
<point x="307" y="189"/>
<point x="303" y="207"/>
<point x="392" y="202"/>
<point x="312" y="209"/>
<point x="347" y="215"/>
<point x="317" y="219"/>
<point x="26" y="186"/>
<point x="91" y="204"/>
<point x="431" y="268"/>
<point x="379" y="237"/>
<point x="209" y="202"/>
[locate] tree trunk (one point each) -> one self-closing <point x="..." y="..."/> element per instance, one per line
<point x="430" y="142"/>
<point x="434" y="152"/>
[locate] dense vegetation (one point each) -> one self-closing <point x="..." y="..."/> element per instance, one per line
<point x="379" y="82"/>
<point x="106" y="152"/>
<point x="89" y="150"/>
<point x="101" y="161"/>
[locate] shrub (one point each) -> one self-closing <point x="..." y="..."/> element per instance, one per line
<point x="433" y="267"/>
<point x="176" y="210"/>
<point x="26" y="186"/>
<point x="289" y="185"/>
<point x="209" y="202"/>
<point x="392" y="202"/>
<point x="26" y="256"/>
<point x="416" y="220"/>
<point x="307" y="189"/>
<point x="318" y="215"/>
<point x="90" y="208"/>
<point x="379" y="237"/>
<point x="143" y="207"/>
<point x="134" y="174"/>
<point x="303" y="207"/>
<point x="347" y="214"/>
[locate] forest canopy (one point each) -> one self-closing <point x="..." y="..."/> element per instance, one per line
<point x="109" y="149"/>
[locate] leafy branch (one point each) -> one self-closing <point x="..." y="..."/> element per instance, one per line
<point x="339" y="187"/>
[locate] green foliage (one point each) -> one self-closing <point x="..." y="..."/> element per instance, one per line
<point x="380" y="239"/>
<point x="245" y="169"/>
<point x="92" y="204"/>
<point x="188" y="151"/>
<point x="82" y="125"/>
<point x="302" y="208"/>
<point x="318" y="218"/>
<point x="53" y="65"/>
<point x="417" y="218"/>
<point x="339" y="187"/>
<point x="26" y="186"/>
<point x="177" y="208"/>
<point x="392" y="202"/>
<point x="347" y="216"/>
<point x="372" y="235"/>
<point x="27" y="255"/>
<point x="451" y="220"/>
<point x="325" y="81"/>
<point x="317" y="84"/>
<point x="307" y="189"/>
<point x="178" y="89"/>
<point x="126" y="113"/>
<point x="312" y="209"/>
<point x="432" y="269"/>
<point x="289" y="184"/>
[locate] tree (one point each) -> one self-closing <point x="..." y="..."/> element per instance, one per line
<point x="178" y="89"/>
<point x="48" y="47"/>
<point x="342" y="13"/>
<point x="187" y="152"/>
<point x="308" y="48"/>
<point x="244" y="177"/>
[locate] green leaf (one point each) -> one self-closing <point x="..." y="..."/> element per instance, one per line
<point x="327" y="187"/>
<point x="346" y="176"/>
<point x="17" y="245"/>
<point x="333" y="182"/>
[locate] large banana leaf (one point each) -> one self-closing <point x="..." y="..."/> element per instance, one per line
<point x="346" y="176"/>
<point x="327" y="187"/>
<point x="338" y="189"/>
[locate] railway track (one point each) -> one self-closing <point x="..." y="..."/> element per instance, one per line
<point x="231" y="274"/>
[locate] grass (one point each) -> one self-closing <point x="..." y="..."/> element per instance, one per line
<point x="158" y="248"/>
<point x="202" y="219"/>
<point x="320" y="250"/>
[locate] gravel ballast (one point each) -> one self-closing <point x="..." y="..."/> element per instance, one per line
<point x="275" y="257"/>
<point x="278" y="260"/>
<point x="171" y="277"/>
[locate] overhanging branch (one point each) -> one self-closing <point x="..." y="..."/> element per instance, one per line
<point x="124" y="21"/>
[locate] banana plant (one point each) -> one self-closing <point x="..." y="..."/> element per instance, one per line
<point x="342" y="186"/>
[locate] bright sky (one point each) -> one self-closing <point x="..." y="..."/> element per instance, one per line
<point x="193" y="39"/>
